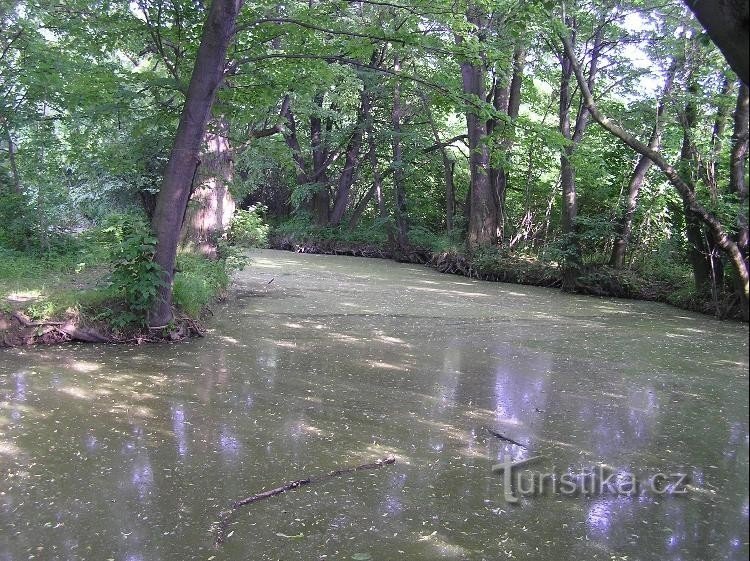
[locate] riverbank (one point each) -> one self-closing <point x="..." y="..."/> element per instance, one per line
<point x="60" y="298"/>
<point x="595" y="280"/>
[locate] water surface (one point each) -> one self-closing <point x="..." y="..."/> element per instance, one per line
<point x="129" y="453"/>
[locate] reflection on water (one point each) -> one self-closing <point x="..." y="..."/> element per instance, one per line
<point x="130" y="453"/>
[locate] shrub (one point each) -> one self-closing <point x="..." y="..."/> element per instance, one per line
<point x="135" y="276"/>
<point x="248" y="228"/>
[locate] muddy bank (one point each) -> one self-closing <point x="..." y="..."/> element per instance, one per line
<point x="595" y="280"/>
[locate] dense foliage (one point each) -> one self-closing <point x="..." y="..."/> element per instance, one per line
<point x="454" y="127"/>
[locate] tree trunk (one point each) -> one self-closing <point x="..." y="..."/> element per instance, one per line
<point x="720" y="123"/>
<point x="482" y="227"/>
<point x="698" y="251"/>
<point x="505" y="100"/>
<point x="183" y="162"/>
<point x="211" y="206"/>
<point x="624" y="225"/>
<point x="321" y="200"/>
<point x="351" y="161"/>
<point x="572" y="258"/>
<point x="737" y="163"/>
<point x="722" y="238"/>
<point x="726" y="22"/>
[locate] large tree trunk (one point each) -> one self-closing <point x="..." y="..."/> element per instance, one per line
<point x="572" y="259"/>
<point x="184" y="159"/>
<point x="624" y="225"/>
<point x="482" y="228"/>
<point x="737" y="163"/>
<point x="321" y="200"/>
<point x="506" y="99"/>
<point x="211" y="205"/>
<point x="722" y="238"/>
<point x="351" y="161"/>
<point x="726" y="22"/>
<point x="317" y="173"/>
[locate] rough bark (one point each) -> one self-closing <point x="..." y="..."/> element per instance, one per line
<point x="737" y="163"/>
<point x="722" y="238"/>
<point x="184" y="157"/>
<point x="624" y="225"/>
<point x="483" y="212"/>
<point x="506" y="100"/>
<point x="727" y="22"/>
<point x="351" y="161"/>
<point x="211" y="205"/>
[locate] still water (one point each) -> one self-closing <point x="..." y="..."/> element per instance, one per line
<point x="314" y="363"/>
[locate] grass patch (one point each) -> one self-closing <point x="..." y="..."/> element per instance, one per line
<point x="198" y="282"/>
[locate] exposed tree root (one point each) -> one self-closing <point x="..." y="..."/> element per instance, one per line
<point x="18" y="330"/>
<point x="220" y="527"/>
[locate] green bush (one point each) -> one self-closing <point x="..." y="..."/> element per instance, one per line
<point x="135" y="276"/>
<point x="248" y="228"/>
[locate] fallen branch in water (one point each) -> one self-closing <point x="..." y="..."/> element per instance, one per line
<point x="224" y="516"/>
<point x="505" y="438"/>
<point x="272" y="492"/>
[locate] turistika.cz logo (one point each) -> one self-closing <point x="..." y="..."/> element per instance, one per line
<point x="598" y="480"/>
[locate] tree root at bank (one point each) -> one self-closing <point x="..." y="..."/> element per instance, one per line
<point x="220" y="527"/>
<point x="18" y="330"/>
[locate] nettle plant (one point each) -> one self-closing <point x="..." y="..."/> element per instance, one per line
<point x="135" y="276"/>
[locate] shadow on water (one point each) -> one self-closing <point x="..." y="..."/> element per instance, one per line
<point x="130" y="453"/>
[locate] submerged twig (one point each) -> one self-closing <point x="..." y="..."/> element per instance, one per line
<point x="505" y="438"/>
<point x="224" y="516"/>
<point x="272" y="493"/>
